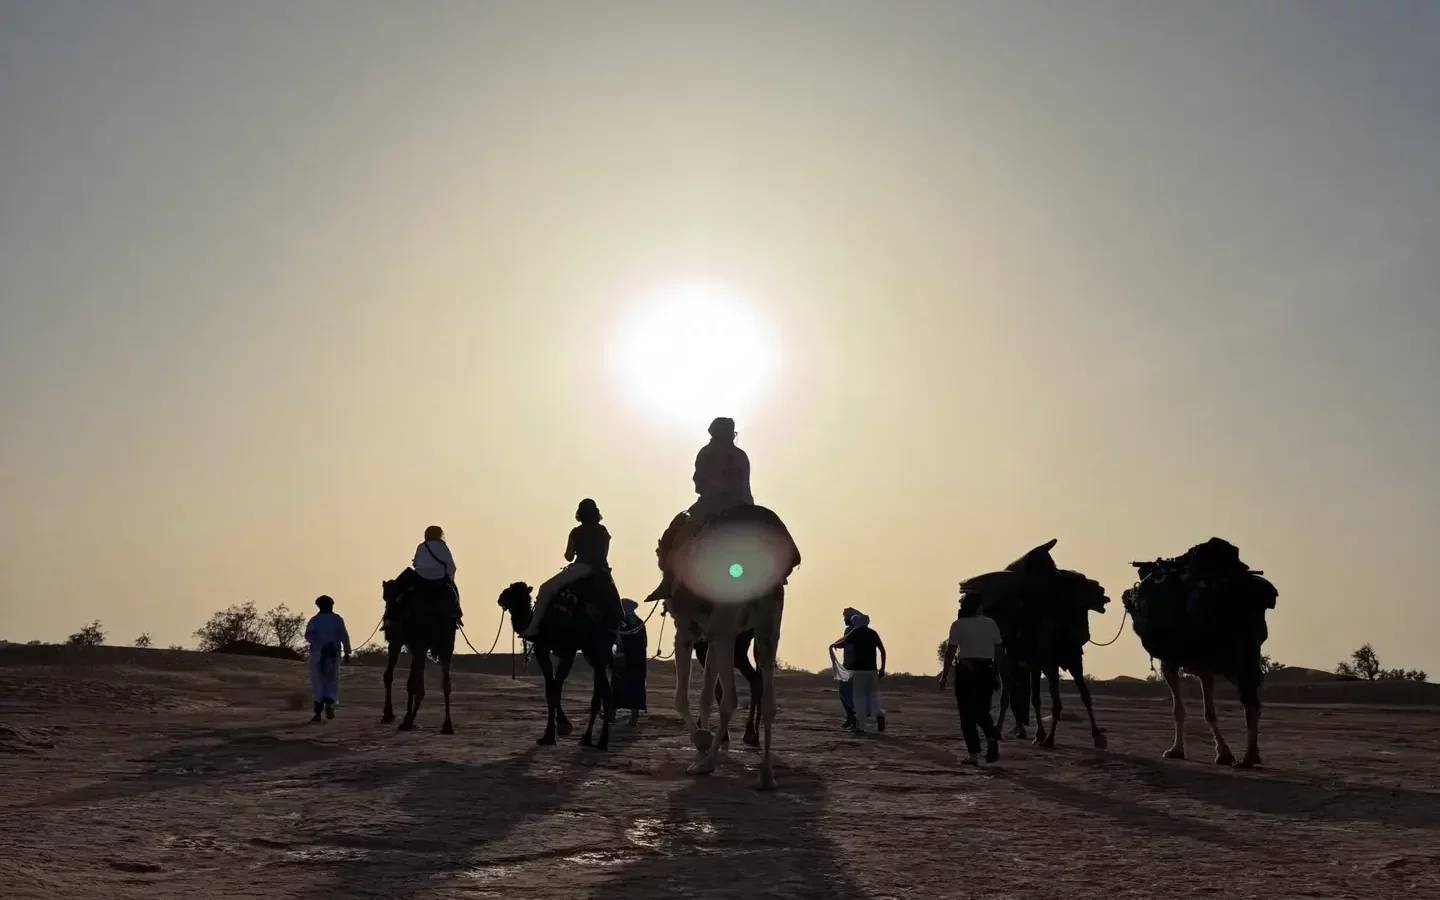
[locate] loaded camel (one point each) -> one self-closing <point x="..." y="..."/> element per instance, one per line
<point x="1204" y="613"/>
<point x="583" y="618"/>
<point x="1043" y="615"/>
<point x="729" y="578"/>
<point x="420" y="616"/>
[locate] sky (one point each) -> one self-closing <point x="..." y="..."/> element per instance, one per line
<point x="282" y="284"/>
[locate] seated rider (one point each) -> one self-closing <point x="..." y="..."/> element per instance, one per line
<point x="587" y="552"/>
<point x="722" y="479"/>
<point x="434" y="563"/>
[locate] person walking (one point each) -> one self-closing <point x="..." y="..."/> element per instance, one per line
<point x="327" y="637"/>
<point x="975" y="651"/>
<point x="865" y="653"/>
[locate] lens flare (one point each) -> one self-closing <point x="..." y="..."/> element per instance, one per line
<point x="735" y="562"/>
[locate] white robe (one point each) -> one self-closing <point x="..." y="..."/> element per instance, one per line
<point x="326" y="635"/>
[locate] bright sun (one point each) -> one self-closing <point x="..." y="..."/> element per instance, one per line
<point x="694" y="351"/>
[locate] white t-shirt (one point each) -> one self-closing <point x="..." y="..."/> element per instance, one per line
<point x="433" y="561"/>
<point x="974" y="637"/>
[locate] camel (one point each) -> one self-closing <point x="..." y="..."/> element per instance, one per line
<point x="1215" y="626"/>
<point x="727" y="579"/>
<point x="1042" y="612"/>
<point x="420" y="617"/>
<point x="580" y="619"/>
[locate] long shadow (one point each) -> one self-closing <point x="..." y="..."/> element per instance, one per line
<point x="1124" y="812"/>
<point x="450" y="811"/>
<point x="185" y="766"/>
<point x="715" y="838"/>
<point x="1291" y="797"/>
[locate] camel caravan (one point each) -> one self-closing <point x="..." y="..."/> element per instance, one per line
<point x="724" y="564"/>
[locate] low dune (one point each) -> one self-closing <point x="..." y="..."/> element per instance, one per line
<point x="159" y="774"/>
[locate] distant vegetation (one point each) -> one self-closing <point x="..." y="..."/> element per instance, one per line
<point x="92" y="635"/>
<point x="371" y="651"/>
<point x="276" y="628"/>
<point x="143" y="641"/>
<point x="1268" y="665"/>
<point x="1364" y="664"/>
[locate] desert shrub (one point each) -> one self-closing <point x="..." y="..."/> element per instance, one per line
<point x="143" y="641"/>
<point x="234" y="623"/>
<point x="1268" y="665"/>
<point x="1364" y="664"/>
<point x="285" y="627"/>
<point x="92" y="635"/>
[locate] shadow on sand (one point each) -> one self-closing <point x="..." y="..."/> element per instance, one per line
<point x="719" y="837"/>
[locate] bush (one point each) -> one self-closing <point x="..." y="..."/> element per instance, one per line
<point x="278" y="627"/>
<point x="175" y="647"/>
<point x="940" y="652"/>
<point x="92" y="635"/>
<point x="143" y="641"/>
<point x="1364" y="664"/>
<point x="1268" y="665"/>
<point x="286" y="627"/>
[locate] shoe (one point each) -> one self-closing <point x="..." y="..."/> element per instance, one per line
<point x="992" y="752"/>
<point x="849" y="725"/>
<point x="970" y="760"/>
<point x="879" y="723"/>
<point x="329" y="710"/>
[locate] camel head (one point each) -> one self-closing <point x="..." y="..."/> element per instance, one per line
<point x="1084" y="591"/>
<point x="515" y="600"/>
<point x="391" y="590"/>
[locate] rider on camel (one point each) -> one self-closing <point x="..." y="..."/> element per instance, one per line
<point x="587" y="551"/>
<point x="722" y="479"/>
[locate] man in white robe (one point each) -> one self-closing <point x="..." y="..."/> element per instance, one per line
<point x="327" y="637"/>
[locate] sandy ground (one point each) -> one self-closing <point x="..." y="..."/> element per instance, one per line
<point x="152" y="774"/>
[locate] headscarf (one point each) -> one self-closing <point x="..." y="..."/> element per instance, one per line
<point x="857" y="621"/>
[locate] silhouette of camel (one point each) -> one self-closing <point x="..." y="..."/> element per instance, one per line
<point x="1222" y="637"/>
<point x="1042" y="612"/>
<point x="752" y="599"/>
<point x="419" y="616"/>
<point x="583" y="617"/>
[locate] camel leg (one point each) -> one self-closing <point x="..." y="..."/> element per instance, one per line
<point x="683" y="648"/>
<point x="1248" y="685"/>
<point x="752" y="678"/>
<point x="702" y="653"/>
<point x="1033" y="677"/>
<point x="1052" y="674"/>
<point x="767" y="648"/>
<point x="1223" y="756"/>
<point x="1171" y="673"/>
<point x="1019" y="700"/>
<point x="707" y="745"/>
<point x="414" y="689"/>
<point x="392" y="660"/>
<point x="1096" y="733"/>
<point x="552" y="695"/>
<point x="1005" y="688"/>
<point x="447" y="727"/>
<point x="604" y="697"/>
<point x="562" y="721"/>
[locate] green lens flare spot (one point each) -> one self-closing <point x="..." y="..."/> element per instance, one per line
<point x="736" y="570"/>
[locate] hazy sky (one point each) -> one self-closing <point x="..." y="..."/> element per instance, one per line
<point x="283" y="283"/>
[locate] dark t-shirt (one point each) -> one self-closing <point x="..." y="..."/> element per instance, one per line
<point x="591" y="544"/>
<point x="861" y="648"/>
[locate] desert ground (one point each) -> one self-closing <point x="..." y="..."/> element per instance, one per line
<point x="162" y="774"/>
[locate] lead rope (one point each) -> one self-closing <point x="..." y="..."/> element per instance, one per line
<point x="1117" y="634"/>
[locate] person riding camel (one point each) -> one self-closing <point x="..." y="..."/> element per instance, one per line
<point x="722" y="479"/>
<point x="587" y="551"/>
<point x="434" y="563"/>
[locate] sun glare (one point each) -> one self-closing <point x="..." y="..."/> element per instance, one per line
<point x="694" y="351"/>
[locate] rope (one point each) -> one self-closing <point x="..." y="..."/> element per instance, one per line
<point x="659" y="641"/>
<point x="1117" y="634"/>
<point x="366" y="642"/>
